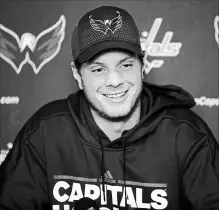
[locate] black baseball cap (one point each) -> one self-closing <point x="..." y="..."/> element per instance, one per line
<point x="103" y="28"/>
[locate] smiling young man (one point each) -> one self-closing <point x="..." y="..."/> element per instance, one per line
<point x="112" y="84"/>
<point x="119" y="142"/>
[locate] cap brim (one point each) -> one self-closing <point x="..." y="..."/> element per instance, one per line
<point x="91" y="51"/>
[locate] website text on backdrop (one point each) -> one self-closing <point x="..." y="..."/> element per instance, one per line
<point x="117" y="143"/>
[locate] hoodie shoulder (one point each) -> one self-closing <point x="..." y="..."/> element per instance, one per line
<point x="188" y="116"/>
<point x="52" y="109"/>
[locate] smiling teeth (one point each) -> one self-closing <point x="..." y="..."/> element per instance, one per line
<point x="115" y="95"/>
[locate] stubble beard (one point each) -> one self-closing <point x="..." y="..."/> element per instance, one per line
<point x="109" y="118"/>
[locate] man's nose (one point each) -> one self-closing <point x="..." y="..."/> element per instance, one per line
<point x="114" y="79"/>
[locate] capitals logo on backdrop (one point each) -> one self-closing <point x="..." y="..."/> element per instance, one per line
<point x="216" y="29"/>
<point x="155" y="49"/>
<point x="116" y="195"/>
<point x="37" y="51"/>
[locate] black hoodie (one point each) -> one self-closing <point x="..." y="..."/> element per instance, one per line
<point x="169" y="160"/>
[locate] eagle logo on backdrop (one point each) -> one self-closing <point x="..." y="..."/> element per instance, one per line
<point x="37" y="51"/>
<point x="216" y="28"/>
<point x="106" y="25"/>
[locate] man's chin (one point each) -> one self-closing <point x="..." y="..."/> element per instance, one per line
<point x="115" y="116"/>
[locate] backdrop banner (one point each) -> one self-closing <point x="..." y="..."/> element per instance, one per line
<point x="180" y="38"/>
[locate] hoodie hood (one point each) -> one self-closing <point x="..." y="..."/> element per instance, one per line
<point x="156" y="100"/>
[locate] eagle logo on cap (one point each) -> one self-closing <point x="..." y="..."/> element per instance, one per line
<point x="106" y="25"/>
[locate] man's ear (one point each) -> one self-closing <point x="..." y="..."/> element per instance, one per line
<point x="143" y="72"/>
<point x="76" y="75"/>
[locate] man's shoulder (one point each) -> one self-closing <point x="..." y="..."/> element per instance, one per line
<point x="186" y="116"/>
<point x="50" y="112"/>
<point x="52" y="109"/>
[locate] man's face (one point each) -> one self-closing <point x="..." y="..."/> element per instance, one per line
<point x="112" y="83"/>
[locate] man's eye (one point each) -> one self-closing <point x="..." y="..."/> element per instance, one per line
<point x="126" y="65"/>
<point x="97" y="70"/>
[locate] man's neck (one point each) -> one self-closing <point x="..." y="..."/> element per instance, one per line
<point x="114" y="129"/>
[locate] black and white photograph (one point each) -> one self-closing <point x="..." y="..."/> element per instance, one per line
<point x="109" y="104"/>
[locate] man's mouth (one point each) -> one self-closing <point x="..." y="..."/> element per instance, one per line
<point x="115" y="95"/>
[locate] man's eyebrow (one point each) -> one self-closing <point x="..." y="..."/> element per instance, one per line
<point x="95" y="62"/>
<point x="129" y="57"/>
<point x="100" y="63"/>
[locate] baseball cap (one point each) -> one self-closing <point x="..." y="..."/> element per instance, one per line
<point x="105" y="27"/>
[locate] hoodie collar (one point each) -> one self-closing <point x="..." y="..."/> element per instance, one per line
<point x="156" y="100"/>
<point x="94" y="128"/>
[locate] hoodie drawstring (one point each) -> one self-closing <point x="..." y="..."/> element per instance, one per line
<point x="103" y="170"/>
<point x="124" y="171"/>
